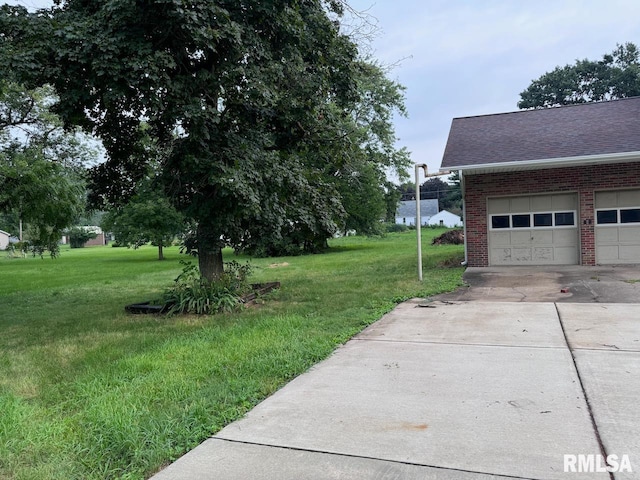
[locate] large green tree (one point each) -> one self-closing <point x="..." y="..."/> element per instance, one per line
<point x="41" y="167"/>
<point x="617" y="75"/>
<point x="247" y="100"/>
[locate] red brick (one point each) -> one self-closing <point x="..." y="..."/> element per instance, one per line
<point x="583" y="180"/>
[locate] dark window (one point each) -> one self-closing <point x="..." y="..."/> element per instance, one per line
<point x="542" y="220"/>
<point x="631" y="215"/>
<point x="521" y="221"/>
<point x="607" y="216"/>
<point x="564" y="218"/>
<point x="500" y="221"/>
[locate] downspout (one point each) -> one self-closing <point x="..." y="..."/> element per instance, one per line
<point x="419" y="220"/>
<point x="418" y="217"/>
<point x="464" y="217"/>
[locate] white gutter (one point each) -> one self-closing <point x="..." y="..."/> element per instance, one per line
<point x="554" y="162"/>
<point x="533" y="164"/>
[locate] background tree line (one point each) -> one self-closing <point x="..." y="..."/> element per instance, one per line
<point x="447" y="193"/>
<point x="615" y="76"/>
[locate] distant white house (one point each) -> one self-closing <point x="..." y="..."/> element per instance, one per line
<point x="406" y="212"/>
<point x="4" y="240"/>
<point x="446" y="219"/>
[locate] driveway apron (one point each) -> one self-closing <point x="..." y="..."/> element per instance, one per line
<point x="447" y="390"/>
<point x="605" y="340"/>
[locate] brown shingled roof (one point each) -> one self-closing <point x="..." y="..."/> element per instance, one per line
<point x="589" y="129"/>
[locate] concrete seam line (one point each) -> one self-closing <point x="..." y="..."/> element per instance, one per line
<point x="606" y="350"/>
<point x="380" y="340"/>
<point x="594" y="425"/>
<point x="364" y="457"/>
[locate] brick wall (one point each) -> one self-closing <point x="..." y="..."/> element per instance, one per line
<point x="583" y="180"/>
<point x="98" y="241"/>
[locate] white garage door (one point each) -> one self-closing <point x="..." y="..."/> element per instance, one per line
<point x="618" y="227"/>
<point x="533" y="230"/>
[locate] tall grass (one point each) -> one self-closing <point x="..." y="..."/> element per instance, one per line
<point x="88" y="391"/>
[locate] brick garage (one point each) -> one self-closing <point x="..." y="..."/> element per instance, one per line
<point x="587" y="154"/>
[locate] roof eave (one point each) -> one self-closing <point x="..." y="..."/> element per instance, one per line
<point x="546" y="163"/>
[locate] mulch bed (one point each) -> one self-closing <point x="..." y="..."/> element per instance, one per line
<point x="150" y="308"/>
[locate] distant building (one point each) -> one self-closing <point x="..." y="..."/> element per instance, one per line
<point x="98" y="241"/>
<point x="4" y="240"/>
<point x="446" y="219"/>
<point x="406" y="212"/>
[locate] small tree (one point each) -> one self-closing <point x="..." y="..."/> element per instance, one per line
<point x="41" y="166"/>
<point x="148" y="217"/>
<point x="78" y="236"/>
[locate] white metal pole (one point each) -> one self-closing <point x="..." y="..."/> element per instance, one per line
<point x="418" y="218"/>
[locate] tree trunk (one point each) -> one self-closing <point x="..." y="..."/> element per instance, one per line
<point x="209" y="253"/>
<point x="160" y="254"/>
<point x="211" y="264"/>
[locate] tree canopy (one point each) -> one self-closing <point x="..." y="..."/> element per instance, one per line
<point x="251" y="105"/>
<point x="41" y="167"/>
<point x="617" y="75"/>
<point x="363" y="184"/>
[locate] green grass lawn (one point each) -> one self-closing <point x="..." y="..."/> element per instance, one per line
<point x="88" y="391"/>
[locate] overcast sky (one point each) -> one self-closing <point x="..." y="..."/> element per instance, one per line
<point x="472" y="57"/>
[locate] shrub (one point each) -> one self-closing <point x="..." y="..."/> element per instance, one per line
<point x="79" y="236"/>
<point x="396" y="227"/>
<point x="34" y="248"/>
<point x="17" y="249"/>
<point x="19" y="246"/>
<point x="191" y="293"/>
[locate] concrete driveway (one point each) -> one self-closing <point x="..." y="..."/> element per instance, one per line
<point x="449" y="390"/>
<point x="575" y="284"/>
